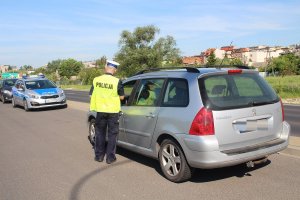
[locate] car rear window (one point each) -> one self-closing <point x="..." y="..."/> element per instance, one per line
<point x="231" y="91"/>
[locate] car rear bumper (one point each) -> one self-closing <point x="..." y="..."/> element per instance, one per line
<point x="205" y="153"/>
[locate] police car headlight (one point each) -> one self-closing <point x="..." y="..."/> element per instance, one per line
<point x="34" y="96"/>
<point x="62" y="94"/>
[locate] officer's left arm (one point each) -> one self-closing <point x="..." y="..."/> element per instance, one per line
<point x="91" y="90"/>
<point x="121" y="90"/>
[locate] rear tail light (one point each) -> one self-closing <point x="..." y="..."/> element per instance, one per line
<point x="235" y="71"/>
<point x="203" y="123"/>
<point x="282" y="110"/>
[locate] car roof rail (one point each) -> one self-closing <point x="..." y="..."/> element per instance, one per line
<point x="188" y="69"/>
<point x="227" y="66"/>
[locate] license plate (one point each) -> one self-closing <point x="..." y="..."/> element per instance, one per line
<point x="50" y="100"/>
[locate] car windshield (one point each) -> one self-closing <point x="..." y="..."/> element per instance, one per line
<point x="231" y="91"/>
<point x="9" y="83"/>
<point x="39" y="84"/>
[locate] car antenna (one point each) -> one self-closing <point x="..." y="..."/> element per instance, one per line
<point x="225" y="56"/>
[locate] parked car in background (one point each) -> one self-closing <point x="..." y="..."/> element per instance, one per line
<point x="37" y="92"/>
<point x="5" y="89"/>
<point x="200" y="118"/>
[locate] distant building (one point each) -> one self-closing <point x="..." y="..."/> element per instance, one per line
<point x="193" y="60"/>
<point x="256" y="56"/>
<point x="89" y="64"/>
<point x="4" y="68"/>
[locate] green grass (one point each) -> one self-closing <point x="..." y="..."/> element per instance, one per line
<point x="76" y="87"/>
<point x="286" y="87"/>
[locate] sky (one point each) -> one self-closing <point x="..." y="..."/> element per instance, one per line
<point x="35" y="32"/>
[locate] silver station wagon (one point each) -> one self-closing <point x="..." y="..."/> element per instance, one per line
<point x="200" y="118"/>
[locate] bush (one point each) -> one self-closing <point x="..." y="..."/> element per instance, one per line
<point x="87" y="75"/>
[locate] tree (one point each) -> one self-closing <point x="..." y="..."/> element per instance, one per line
<point x="236" y="61"/>
<point x="87" y="75"/>
<point x="101" y="62"/>
<point x="287" y="64"/>
<point x="211" y="60"/>
<point x="168" y="51"/>
<point x="70" y="67"/>
<point x="26" y="67"/>
<point x="40" y="70"/>
<point x="53" y="65"/>
<point x="139" y="50"/>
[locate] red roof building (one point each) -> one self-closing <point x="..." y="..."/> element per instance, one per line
<point x="193" y="60"/>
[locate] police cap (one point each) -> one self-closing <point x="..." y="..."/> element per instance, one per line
<point x="111" y="63"/>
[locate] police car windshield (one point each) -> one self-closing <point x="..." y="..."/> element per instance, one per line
<point x="39" y="84"/>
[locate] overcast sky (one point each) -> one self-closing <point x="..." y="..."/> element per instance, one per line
<point x="35" y="32"/>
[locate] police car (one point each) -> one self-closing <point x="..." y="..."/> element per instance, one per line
<point x="32" y="92"/>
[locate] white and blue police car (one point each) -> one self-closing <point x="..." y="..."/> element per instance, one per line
<point x="32" y="92"/>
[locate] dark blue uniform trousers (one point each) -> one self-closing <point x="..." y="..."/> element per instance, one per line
<point x="104" y="122"/>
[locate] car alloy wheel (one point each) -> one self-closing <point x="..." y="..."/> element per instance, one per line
<point x="172" y="162"/>
<point x="92" y="132"/>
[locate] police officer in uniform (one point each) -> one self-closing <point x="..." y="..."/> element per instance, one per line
<point x="106" y="93"/>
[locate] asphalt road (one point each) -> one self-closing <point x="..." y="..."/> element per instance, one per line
<point x="45" y="154"/>
<point x="292" y="112"/>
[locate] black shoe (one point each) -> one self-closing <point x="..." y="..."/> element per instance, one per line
<point x="99" y="159"/>
<point x="108" y="161"/>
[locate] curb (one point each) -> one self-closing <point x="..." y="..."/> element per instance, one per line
<point x="294" y="142"/>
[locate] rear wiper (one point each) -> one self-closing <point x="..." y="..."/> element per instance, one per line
<point x="254" y="103"/>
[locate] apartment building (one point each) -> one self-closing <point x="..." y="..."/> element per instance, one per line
<point x="255" y="56"/>
<point x="4" y="68"/>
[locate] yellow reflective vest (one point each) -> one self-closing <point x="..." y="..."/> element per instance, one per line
<point x="105" y="96"/>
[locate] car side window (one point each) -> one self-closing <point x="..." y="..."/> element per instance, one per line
<point x="177" y="93"/>
<point x="128" y="88"/>
<point x="148" y="92"/>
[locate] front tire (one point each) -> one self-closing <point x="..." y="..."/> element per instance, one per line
<point x="173" y="162"/>
<point x="92" y="132"/>
<point x="13" y="103"/>
<point x="3" y="99"/>
<point x="25" y="104"/>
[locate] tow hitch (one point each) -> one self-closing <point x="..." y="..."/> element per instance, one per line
<point x="252" y="163"/>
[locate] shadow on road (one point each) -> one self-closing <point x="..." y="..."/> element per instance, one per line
<point x="208" y="175"/>
<point x="199" y="175"/>
<point x="75" y="191"/>
<point x="150" y="162"/>
<point x="42" y="109"/>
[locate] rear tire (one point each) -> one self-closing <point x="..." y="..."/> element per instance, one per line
<point x="173" y="162"/>
<point x="92" y="132"/>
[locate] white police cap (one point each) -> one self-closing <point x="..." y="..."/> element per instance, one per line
<point x="111" y="63"/>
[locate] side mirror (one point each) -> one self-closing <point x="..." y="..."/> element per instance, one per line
<point x="21" y="89"/>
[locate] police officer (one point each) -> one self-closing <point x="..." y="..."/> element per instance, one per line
<point x="106" y="93"/>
